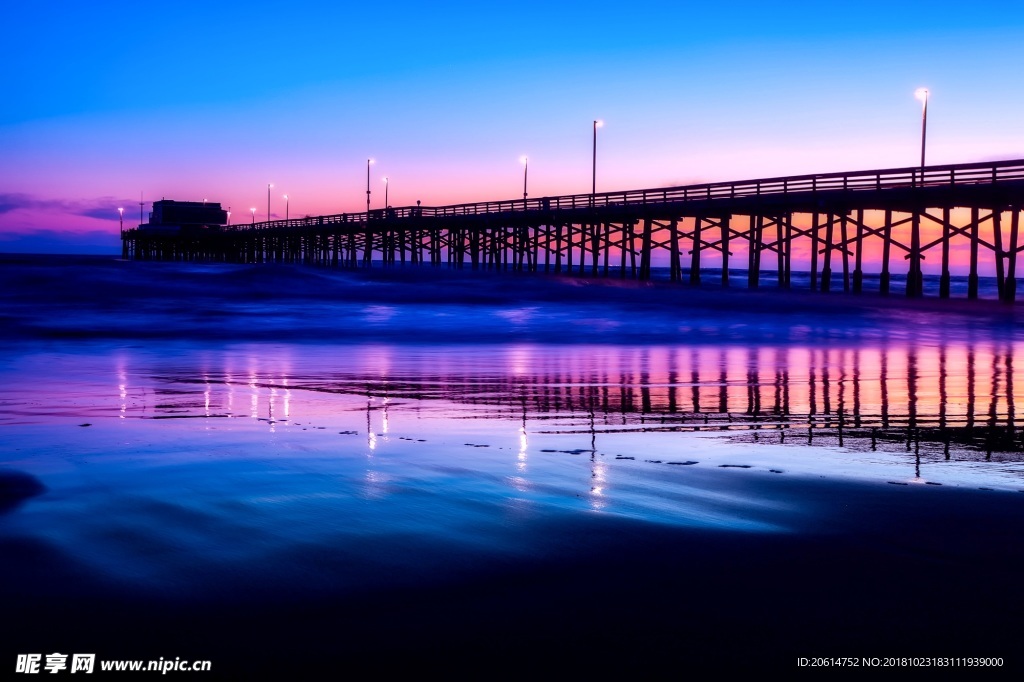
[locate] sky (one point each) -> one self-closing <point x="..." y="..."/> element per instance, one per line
<point x="107" y="101"/>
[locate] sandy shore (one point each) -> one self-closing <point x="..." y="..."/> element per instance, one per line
<point x="875" y="570"/>
<point x="298" y="474"/>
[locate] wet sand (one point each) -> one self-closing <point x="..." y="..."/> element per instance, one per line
<point x="875" y="570"/>
<point x="708" y="484"/>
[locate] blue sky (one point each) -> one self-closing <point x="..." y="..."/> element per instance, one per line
<point x="215" y="100"/>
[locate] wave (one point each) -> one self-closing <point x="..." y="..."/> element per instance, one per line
<point x="98" y="297"/>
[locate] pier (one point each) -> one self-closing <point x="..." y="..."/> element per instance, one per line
<point x="834" y="226"/>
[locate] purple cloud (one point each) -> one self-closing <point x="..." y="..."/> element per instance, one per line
<point x="102" y="208"/>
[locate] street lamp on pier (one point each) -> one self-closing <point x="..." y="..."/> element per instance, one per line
<point x="268" y="201"/>
<point x="253" y="209"/>
<point x="593" y="176"/>
<point x="368" y="163"/>
<point x="525" y="160"/>
<point x="120" y="217"/>
<point x="386" y="192"/>
<point x="286" y="207"/>
<point x="922" y="94"/>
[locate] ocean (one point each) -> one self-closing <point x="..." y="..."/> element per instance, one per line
<point x="292" y="470"/>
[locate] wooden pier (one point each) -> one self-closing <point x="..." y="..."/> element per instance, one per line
<point x="831" y="225"/>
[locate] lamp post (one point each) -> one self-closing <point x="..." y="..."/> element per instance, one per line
<point x="915" y="278"/>
<point x="922" y="94"/>
<point x="286" y="207"/>
<point x="253" y="209"/>
<point x="229" y="215"/>
<point x="385" y="193"/>
<point x="268" y="201"/>
<point x="368" y="162"/>
<point x="525" y="160"/>
<point x="593" y="177"/>
<point x="120" y="215"/>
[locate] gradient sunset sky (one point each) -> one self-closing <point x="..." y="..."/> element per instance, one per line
<point x="214" y="100"/>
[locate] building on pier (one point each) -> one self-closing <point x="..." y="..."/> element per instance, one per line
<point x="172" y="216"/>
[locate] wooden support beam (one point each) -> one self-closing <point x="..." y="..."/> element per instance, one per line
<point x="537" y="235"/>
<point x="674" y="269"/>
<point x="945" y="278"/>
<point x="883" y="278"/>
<point x="547" y="247"/>
<point x="780" y="253"/>
<point x="602" y="244"/>
<point x="558" y="248"/>
<point x="914" y="276"/>
<point x="694" y="254"/>
<point x="815" y="227"/>
<point x="606" y="243"/>
<point x="627" y="227"/>
<point x="368" y="252"/>
<point x="632" y="250"/>
<point x="754" y="252"/>
<point x="724" y="226"/>
<point x="584" y="246"/>
<point x="997" y="239"/>
<point x="972" y="276"/>
<point x="645" y="253"/>
<point x="568" y="247"/>
<point x="826" y="266"/>
<point x="474" y="248"/>
<point x="846" y="252"/>
<point x="787" y="262"/>
<point x="858" y="270"/>
<point x="1010" y="290"/>
<point x="507" y="245"/>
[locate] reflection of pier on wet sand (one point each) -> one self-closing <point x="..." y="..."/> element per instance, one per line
<point x="333" y="498"/>
<point x="937" y="400"/>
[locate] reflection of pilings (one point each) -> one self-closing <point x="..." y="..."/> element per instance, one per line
<point x="952" y="394"/>
<point x="813" y="392"/>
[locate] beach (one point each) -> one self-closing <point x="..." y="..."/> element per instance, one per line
<point x="296" y="470"/>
